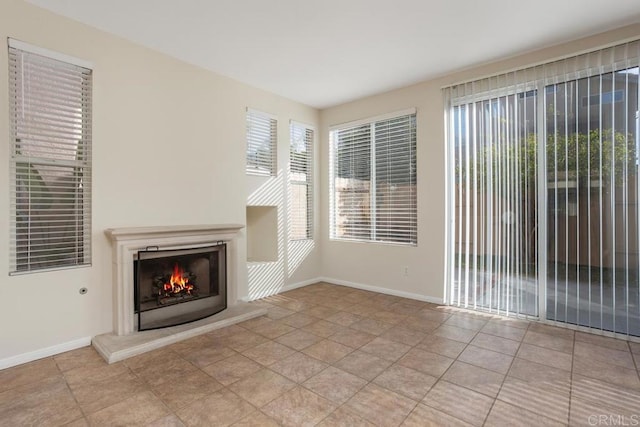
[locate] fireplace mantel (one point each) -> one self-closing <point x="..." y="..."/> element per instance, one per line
<point x="129" y="233"/>
<point x="127" y="241"/>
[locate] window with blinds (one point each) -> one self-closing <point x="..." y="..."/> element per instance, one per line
<point x="373" y="180"/>
<point x="300" y="182"/>
<point x="50" y="163"/>
<point x="262" y="138"/>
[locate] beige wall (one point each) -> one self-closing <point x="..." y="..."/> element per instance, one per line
<point x="150" y="112"/>
<point x="381" y="266"/>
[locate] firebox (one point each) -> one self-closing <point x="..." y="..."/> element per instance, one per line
<point x="177" y="286"/>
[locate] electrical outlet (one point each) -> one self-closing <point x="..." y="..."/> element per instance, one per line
<point x="405" y="270"/>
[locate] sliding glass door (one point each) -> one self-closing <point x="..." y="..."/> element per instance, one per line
<point x="592" y="201"/>
<point x="543" y="191"/>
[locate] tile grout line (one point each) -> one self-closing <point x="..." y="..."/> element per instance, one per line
<point x="573" y="353"/>
<point x="443" y="323"/>
<point x="447" y="370"/>
<point x="299" y="384"/>
<point x="66" y="383"/>
<point x="332" y="365"/>
<point x="505" y="376"/>
<point x="369" y="382"/>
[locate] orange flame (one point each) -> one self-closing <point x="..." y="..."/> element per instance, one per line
<point x="178" y="283"/>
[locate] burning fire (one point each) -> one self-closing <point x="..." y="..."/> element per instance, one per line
<point x="178" y="283"/>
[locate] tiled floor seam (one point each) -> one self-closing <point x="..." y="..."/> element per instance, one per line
<point x="441" y="378"/>
<point x="343" y="404"/>
<point x="410" y="412"/>
<point x="169" y="410"/>
<point x="486" y="418"/>
<point x="66" y="383"/>
<point x="573" y="353"/>
<point x="257" y="408"/>
<point x="634" y="358"/>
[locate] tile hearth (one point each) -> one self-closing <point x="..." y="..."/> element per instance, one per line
<point x="114" y="348"/>
<point x="329" y="355"/>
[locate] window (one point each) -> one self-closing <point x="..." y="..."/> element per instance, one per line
<point x="50" y="162"/>
<point x="262" y="137"/>
<point x="300" y="182"/>
<point x="373" y="180"/>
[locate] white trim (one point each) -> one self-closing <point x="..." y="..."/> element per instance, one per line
<point x="302" y="284"/>
<point x="541" y="214"/>
<point x="355" y="285"/>
<point x="369" y="120"/>
<point x="386" y="291"/>
<point x="449" y="207"/>
<point x="262" y="113"/>
<point x="26" y="47"/>
<point x="374" y="242"/>
<point x="304" y="125"/>
<point x="19" y="359"/>
<point x="284" y="289"/>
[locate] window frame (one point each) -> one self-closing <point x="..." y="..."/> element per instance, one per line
<point x="253" y="135"/>
<point x="45" y="155"/>
<point x="308" y="182"/>
<point x="373" y="209"/>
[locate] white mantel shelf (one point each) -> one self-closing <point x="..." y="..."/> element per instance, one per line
<point x="123" y="233"/>
<point x="127" y="241"/>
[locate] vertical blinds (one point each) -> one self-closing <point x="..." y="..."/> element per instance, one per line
<point x="591" y="150"/>
<point x="262" y="138"/>
<point x="373" y="180"/>
<point x="50" y="165"/>
<point x="300" y="182"/>
<point x="492" y="193"/>
<point x="543" y="191"/>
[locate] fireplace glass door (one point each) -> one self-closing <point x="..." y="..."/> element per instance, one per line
<point x="179" y="285"/>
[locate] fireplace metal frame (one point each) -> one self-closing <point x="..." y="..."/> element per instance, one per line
<point x="220" y="247"/>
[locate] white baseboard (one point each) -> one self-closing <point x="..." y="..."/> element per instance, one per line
<point x="285" y="289"/>
<point x="301" y="284"/>
<point x="386" y="291"/>
<point x="362" y="286"/>
<point x="44" y="352"/>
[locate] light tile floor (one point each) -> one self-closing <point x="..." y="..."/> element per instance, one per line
<point x="334" y="356"/>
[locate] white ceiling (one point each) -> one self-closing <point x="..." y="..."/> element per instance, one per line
<point x="326" y="52"/>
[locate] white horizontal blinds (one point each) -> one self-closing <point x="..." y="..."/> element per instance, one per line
<point x="351" y="183"/>
<point x="300" y="182"/>
<point x="592" y="188"/>
<point x="373" y="181"/>
<point x="491" y="150"/>
<point x="50" y="185"/>
<point x="262" y="139"/>
<point x="395" y="174"/>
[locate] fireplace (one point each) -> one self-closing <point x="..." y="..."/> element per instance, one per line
<point x="128" y="241"/>
<point x="176" y="286"/>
